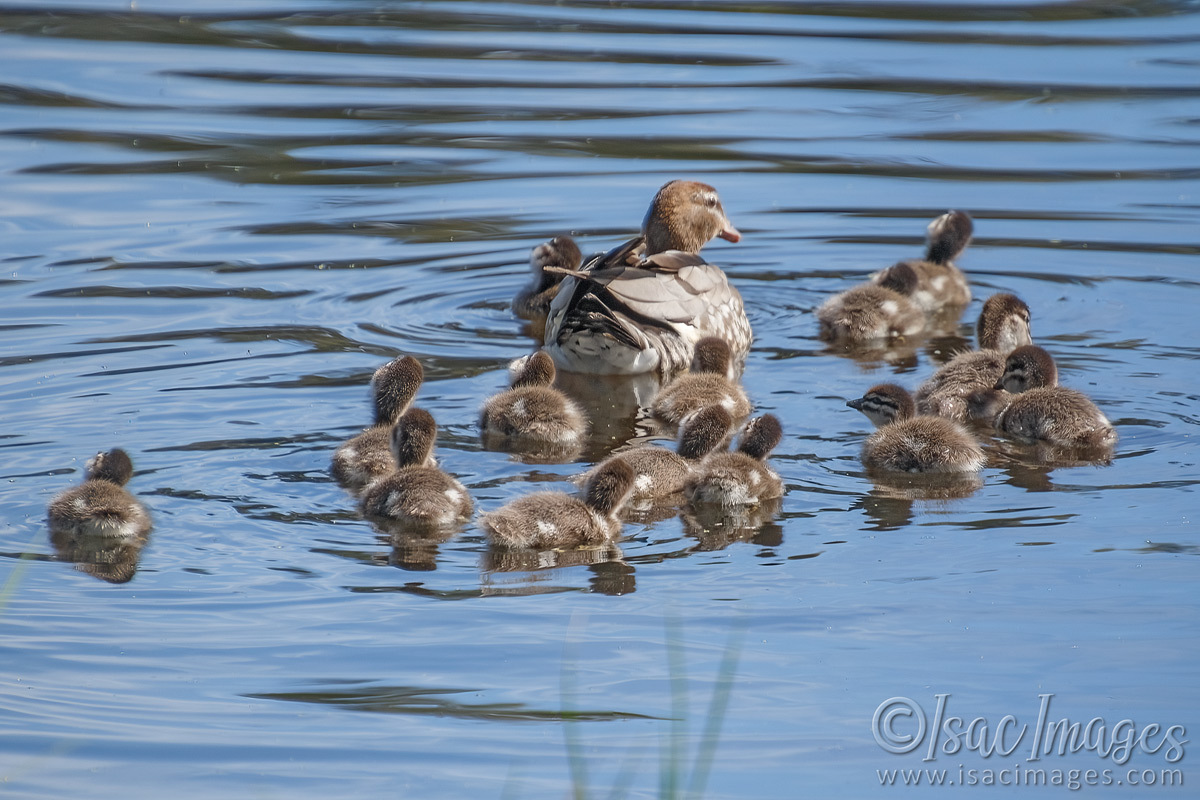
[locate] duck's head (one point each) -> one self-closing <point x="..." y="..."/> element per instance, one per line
<point x="900" y="278"/>
<point x="686" y="215"/>
<point x="885" y="404"/>
<point x="1028" y="367"/>
<point x="947" y="236"/>
<point x="609" y="487"/>
<point x="114" y="466"/>
<point x="535" y="369"/>
<point x="561" y="251"/>
<point x="712" y="354"/>
<point x="1003" y="323"/>
<point x="394" y="385"/>
<point x="760" y="436"/>
<point x="703" y="430"/>
<point x="413" y="437"/>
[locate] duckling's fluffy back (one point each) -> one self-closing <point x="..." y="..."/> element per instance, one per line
<point x="693" y="391"/>
<point x="946" y="392"/>
<point x="868" y="312"/>
<point x="97" y="508"/>
<point x="734" y="479"/>
<point x="419" y="496"/>
<point x="1056" y="415"/>
<point x="545" y="520"/>
<point x="535" y="413"/>
<point x="923" y="444"/>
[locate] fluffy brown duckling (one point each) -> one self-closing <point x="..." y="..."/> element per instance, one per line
<point x="939" y="282"/>
<point x="415" y="493"/>
<point x="1002" y="327"/>
<point x="533" y="411"/>
<point x="905" y="442"/>
<point x="642" y="306"/>
<point x="369" y="454"/>
<point x="708" y="382"/>
<point x="560" y="253"/>
<point x="741" y="477"/>
<point x="100" y="506"/>
<point x="661" y="472"/>
<point x="1035" y="408"/>
<point x="545" y="520"/>
<point x="873" y="312"/>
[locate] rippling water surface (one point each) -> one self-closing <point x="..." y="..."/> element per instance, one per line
<point x="218" y="219"/>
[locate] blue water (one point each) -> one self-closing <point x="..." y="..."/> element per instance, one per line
<point x="219" y="219"/>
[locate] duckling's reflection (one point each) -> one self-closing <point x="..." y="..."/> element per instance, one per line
<point x="896" y="355"/>
<point x="109" y="558"/>
<point x="890" y="504"/>
<point x="1029" y="465"/>
<point x="610" y="573"/>
<point x="414" y="550"/>
<point x="716" y="527"/>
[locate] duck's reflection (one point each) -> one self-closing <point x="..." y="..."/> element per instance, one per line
<point x="413" y="549"/>
<point x="716" y="527"/>
<point x="610" y="573"/>
<point x="109" y="558"/>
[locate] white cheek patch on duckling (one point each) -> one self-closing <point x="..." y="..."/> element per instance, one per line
<point x="643" y="483"/>
<point x="453" y="495"/>
<point x="889" y="307"/>
<point x="547" y="529"/>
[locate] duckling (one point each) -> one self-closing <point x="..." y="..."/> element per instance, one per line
<point x="561" y="252"/>
<point x="741" y="477"/>
<point x="533" y="411"/>
<point x="708" y="382"/>
<point x="905" y="442"/>
<point x="1002" y="327"/>
<point x="873" y="311"/>
<point x="368" y="455"/>
<point x="939" y="282"/>
<point x="100" y="506"/>
<point x="415" y="493"/>
<point x="545" y="520"/>
<point x="661" y="472"/>
<point x="1041" y="410"/>
<point x="642" y="306"/>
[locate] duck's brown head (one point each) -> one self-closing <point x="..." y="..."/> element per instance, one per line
<point x="703" y="430"/>
<point x="947" y="236"/>
<point x="712" y="355"/>
<point x="760" y="436"/>
<point x="609" y="487"/>
<point x="686" y="215"/>
<point x="1003" y="323"/>
<point x="394" y="385"/>
<point x="885" y="404"/>
<point x="114" y="466"/>
<point x="1028" y="367"/>
<point x="413" y="437"/>
<point x="535" y="369"/>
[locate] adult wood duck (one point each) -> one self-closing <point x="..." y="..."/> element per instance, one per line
<point x="642" y="306"/>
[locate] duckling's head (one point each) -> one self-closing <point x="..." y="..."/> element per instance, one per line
<point x="703" y="430"/>
<point x="609" y="487"/>
<point x="900" y="278"/>
<point x="686" y="215"/>
<point x="561" y="251"/>
<point x="885" y="404"/>
<point x="947" y="236"/>
<point x="1028" y="367"/>
<point x="760" y="436"/>
<point x="712" y="355"/>
<point x="1003" y="323"/>
<point x="535" y="369"/>
<point x="114" y="466"/>
<point x="413" y="437"/>
<point x="394" y="385"/>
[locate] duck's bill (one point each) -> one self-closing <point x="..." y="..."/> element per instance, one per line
<point x="730" y="233"/>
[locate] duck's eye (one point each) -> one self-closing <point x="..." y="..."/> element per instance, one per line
<point x="710" y="201"/>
